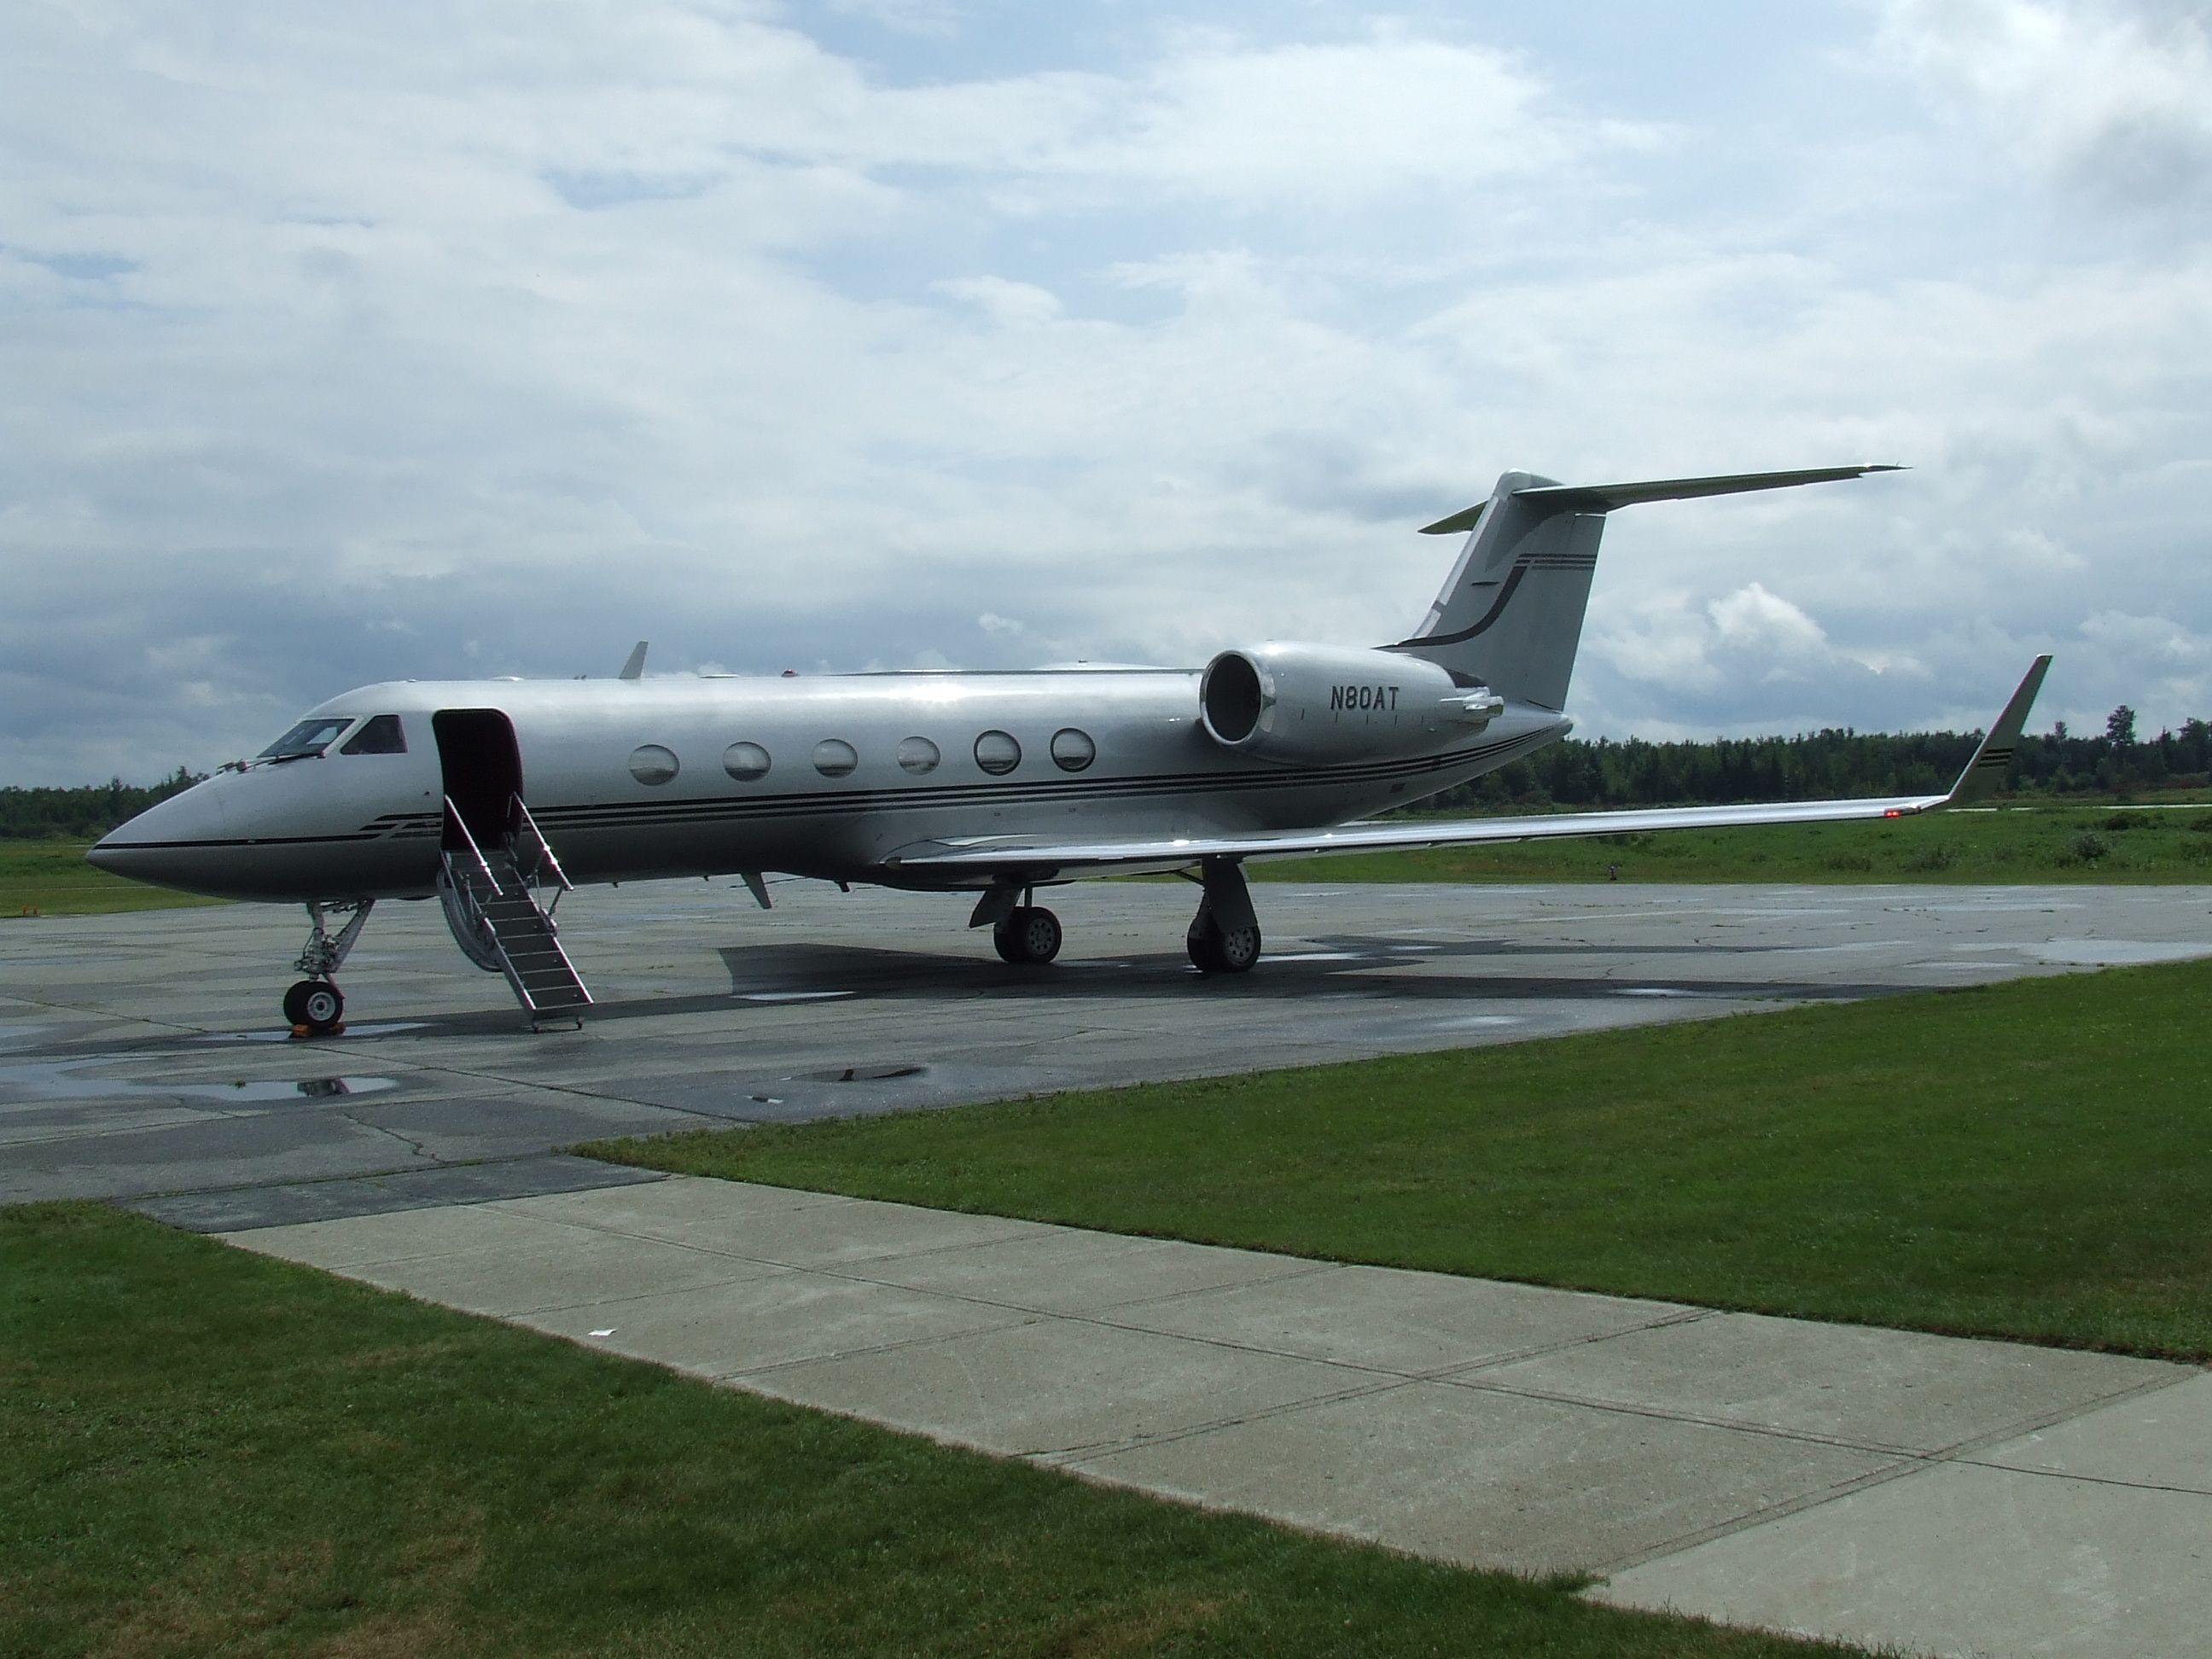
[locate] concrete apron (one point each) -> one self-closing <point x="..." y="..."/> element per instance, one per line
<point x="1940" y="1495"/>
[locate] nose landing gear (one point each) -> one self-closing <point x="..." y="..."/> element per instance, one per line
<point x="315" y="1007"/>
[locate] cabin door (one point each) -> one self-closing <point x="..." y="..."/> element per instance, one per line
<point x="484" y="774"/>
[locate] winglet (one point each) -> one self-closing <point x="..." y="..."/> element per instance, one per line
<point x="1986" y="771"/>
<point x="635" y="668"/>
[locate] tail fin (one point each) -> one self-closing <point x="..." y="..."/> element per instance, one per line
<point x="1510" y="615"/>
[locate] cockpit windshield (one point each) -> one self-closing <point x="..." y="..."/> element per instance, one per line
<point x="381" y="736"/>
<point x="309" y="737"/>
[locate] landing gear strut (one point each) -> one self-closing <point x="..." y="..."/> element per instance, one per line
<point x="315" y="1006"/>
<point x="1225" y="934"/>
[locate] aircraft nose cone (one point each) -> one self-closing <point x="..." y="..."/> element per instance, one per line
<point x="168" y="844"/>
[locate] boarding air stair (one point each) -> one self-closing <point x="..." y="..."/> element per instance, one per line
<point x="490" y="893"/>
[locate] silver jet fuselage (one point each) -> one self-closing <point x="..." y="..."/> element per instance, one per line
<point x="636" y="779"/>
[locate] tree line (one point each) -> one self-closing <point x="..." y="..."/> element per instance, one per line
<point x="85" y="813"/>
<point x="1814" y="766"/>
<point x="1834" y="763"/>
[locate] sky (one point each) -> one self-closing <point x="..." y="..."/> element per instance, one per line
<point x="341" y="344"/>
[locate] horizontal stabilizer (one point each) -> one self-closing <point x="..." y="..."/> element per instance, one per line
<point x="1603" y="498"/>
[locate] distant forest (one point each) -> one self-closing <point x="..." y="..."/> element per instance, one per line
<point x="1820" y="765"/>
<point x="1831" y="764"/>
<point x="84" y="814"/>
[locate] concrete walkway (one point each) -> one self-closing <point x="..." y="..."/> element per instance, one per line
<point x="1940" y="1495"/>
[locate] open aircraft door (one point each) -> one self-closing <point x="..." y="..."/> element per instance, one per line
<point x="483" y="769"/>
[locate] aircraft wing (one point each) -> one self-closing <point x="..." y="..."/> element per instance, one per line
<point x="1018" y="857"/>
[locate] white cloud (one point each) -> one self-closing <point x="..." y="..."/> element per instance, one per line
<point x="2113" y="96"/>
<point x="1010" y="304"/>
<point x="364" y="343"/>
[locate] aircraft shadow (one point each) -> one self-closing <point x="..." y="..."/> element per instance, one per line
<point x="1377" y="970"/>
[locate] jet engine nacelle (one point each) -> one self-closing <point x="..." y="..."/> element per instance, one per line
<point x="1314" y="704"/>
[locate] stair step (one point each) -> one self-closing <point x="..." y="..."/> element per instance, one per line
<point x="538" y="969"/>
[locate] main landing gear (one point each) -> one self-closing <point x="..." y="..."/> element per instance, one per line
<point x="1223" y="936"/>
<point x="1022" y="932"/>
<point x="315" y="1007"/>
<point x="1030" y="934"/>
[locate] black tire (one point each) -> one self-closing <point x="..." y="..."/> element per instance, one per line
<point x="295" y="1003"/>
<point x="321" y="1005"/>
<point x="1039" y="934"/>
<point x="1217" y="950"/>
<point x="1029" y="938"/>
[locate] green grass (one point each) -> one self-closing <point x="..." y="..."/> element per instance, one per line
<point x="2105" y="842"/>
<point x="51" y="878"/>
<point x="203" y="1450"/>
<point x="2030" y="1160"/>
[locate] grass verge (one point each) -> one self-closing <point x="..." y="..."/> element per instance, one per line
<point x="2094" y="842"/>
<point x="203" y="1450"/>
<point x="2026" y="1160"/>
<point x="51" y="878"/>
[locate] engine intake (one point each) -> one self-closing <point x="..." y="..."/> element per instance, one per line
<point x="1315" y="704"/>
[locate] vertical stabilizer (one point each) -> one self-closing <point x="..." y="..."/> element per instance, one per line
<point x="1510" y="615"/>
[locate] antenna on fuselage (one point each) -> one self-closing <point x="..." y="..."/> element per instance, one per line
<point x="635" y="668"/>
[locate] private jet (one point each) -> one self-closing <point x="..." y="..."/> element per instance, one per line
<point x="493" y="797"/>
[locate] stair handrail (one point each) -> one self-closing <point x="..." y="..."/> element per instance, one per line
<point x="470" y="842"/>
<point x="545" y="859"/>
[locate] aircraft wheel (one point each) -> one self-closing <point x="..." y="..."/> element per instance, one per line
<point x="1041" y="934"/>
<point x="1217" y="950"/>
<point x="315" y="1004"/>
<point x="1239" y="948"/>
<point x="1030" y="936"/>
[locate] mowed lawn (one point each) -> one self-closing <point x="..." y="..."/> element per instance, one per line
<point x="2097" y="841"/>
<point x="203" y="1451"/>
<point x="51" y="878"/>
<point x="2030" y="1160"/>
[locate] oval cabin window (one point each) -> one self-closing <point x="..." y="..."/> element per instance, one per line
<point x="1072" y="750"/>
<point x="836" y="758"/>
<point x="746" y="762"/>
<point x="997" y="753"/>
<point x="918" y="756"/>
<point x="650" y="763"/>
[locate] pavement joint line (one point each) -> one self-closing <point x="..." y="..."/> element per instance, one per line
<point x="1680" y="1315"/>
<point x="849" y="1270"/>
<point x="2087" y="1480"/>
<point x="1963" y="1450"/>
<point x="1074" y="1457"/>
<point x="1737" y="1425"/>
<point x="1781" y="1508"/>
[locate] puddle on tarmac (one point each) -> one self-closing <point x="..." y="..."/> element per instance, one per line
<point x="64" y="1080"/>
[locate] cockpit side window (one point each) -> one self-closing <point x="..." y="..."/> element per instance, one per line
<point x="381" y="736"/>
<point x="309" y="737"/>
